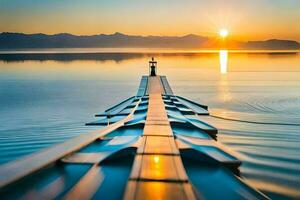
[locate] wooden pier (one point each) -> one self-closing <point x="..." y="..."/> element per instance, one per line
<point x="158" y="172"/>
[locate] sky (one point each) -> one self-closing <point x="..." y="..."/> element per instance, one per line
<point x="245" y="19"/>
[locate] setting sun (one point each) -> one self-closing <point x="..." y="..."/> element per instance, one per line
<point x="223" y="33"/>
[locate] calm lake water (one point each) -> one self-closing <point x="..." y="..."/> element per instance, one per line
<point x="254" y="99"/>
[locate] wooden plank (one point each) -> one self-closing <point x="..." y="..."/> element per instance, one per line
<point x="141" y="145"/>
<point x="154" y="85"/>
<point x="165" y="83"/>
<point x="181" y="145"/>
<point x="158" y="129"/>
<point x="205" y="142"/>
<point x="120" y="106"/>
<point x="189" y="192"/>
<point x="143" y="86"/>
<point x="136" y="168"/>
<point x="198" y="108"/>
<point x="140" y="190"/>
<point x="215" y="153"/>
<point x="159" y="167"/>
<point x="86" y="158"/>
<point x="49" y="191"/>
<point x="160" y="145"/>
<point x="87" y="186"/>
<point x="157" y="122"/>
<point x="93" y="158"/>
<point x="160" y="119"/>
<point x="20" y="168"/>
<point x="120" y="140"/>
<point x="180" y="168"/>
<point x="130" y="190"/>
<point x="160" y="111"/>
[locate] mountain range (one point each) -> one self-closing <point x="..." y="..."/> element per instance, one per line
<point x="118" y="40"/>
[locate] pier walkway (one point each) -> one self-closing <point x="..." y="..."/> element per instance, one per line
<point x="158" y="172"/>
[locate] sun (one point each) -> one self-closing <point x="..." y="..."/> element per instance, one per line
<point x="223" y="33"/>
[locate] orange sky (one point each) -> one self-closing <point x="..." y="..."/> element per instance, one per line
<point x="246" y="20"/>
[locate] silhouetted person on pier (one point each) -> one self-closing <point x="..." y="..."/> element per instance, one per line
<point x="152" y="65"/>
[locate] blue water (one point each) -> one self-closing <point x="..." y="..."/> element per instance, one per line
<point x="254" y="102"/>
<point x="39" y="113"/>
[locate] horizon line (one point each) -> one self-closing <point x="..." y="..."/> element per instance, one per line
<point x="117" y="32"/>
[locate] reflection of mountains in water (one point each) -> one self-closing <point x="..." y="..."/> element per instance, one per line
<point x="119" y="57"/>
<point x="67" y="57"/>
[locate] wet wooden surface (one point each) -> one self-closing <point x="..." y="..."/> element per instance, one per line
<point x="160" y="145"/>
<point x="158" y="172"/>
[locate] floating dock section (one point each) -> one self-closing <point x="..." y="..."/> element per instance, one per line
<point x="150" y="146"/>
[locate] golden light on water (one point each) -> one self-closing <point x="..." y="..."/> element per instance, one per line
<point x="224" y="91"/>
<point x="223" y="61"/>
<point x="223" y="33"/>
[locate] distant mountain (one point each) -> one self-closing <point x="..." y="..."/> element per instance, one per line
<point x="65" y="40"/>
<point x="273" y="44"/>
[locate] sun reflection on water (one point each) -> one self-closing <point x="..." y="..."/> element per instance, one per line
<point x="223" y="61"/>
<point x="224" y="92"/>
